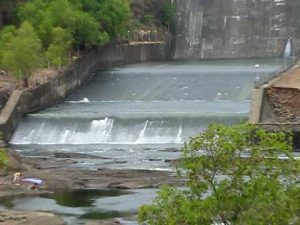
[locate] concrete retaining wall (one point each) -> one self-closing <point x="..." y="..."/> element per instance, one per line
<point x="57" y="89"/>
<point x="266" y="113"/>
<point x="260" y="106"/>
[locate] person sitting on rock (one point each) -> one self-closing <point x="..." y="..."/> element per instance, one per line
<point x="17" y="177"/>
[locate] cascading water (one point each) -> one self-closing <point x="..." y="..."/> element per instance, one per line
<point x="142" y="133"/>
<point x="137" y="113"/>
<point x="288" y="50"/>
<point x="179" y="135"/>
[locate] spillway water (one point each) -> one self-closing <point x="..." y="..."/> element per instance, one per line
<point x="288" y="50"/>
<point x="136" y="116"/>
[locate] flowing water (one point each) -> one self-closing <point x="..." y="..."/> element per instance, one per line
<point x="288" y="50"/>
<point x="138" y="116"/>
<point x="135" y="117"/>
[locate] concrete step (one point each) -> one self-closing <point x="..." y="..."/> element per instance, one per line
<point x="10" y="106"/>
<point x="256" y="104"/>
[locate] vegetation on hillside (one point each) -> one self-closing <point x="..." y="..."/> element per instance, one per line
<point x="168" y="11"/>
<point x="21" y="50"/>
<point x="44" y="32"/>
<point x="8" y="9"/>
<point x="236" y="175"/>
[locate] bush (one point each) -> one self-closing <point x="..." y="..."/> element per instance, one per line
<point x="236" y="175"/>
<point x="3" y="158"/>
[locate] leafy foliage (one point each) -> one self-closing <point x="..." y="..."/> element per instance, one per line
<point x="149" y="19"/>
<point x="114" y="16"/>
<point x="55" y="27"/>
<point x="47" y="15"/>
<point x="22" y="50"/>
<point x="58" y="49"/>
<point x="3" y="157"/>
<point x="5" y="37"/>
<point x="8" y="10"/>
<point x="235" y="176"/>
<point x="85" y="34"/>
<point x="169" y="11"/>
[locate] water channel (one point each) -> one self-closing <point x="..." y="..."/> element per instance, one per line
<point x="138" y="116"/>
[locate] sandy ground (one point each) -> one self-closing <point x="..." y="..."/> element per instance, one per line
<point x="289" y="79"/>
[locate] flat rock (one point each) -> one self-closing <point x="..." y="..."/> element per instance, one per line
<point x="9" y="217"/>
<point x="102" y="222"/>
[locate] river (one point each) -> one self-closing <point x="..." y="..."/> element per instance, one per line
<point x="138" y="116"/>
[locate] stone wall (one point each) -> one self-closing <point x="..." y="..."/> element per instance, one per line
<point x="235" y="28"/>
<point x="57" y="89"/>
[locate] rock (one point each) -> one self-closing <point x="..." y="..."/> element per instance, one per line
<point x="74" y="155"/>
<point x="130" y="185"/>
<point x="15" y="162"/>
<point x="10" y="217"/>
<point x="102" y="222"/>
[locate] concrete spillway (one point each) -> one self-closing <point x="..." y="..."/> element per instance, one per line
<point x="133" y="113"/>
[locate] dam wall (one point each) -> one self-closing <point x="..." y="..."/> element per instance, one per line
<point x="235" y="28"/>
<point x="55" y="90"/>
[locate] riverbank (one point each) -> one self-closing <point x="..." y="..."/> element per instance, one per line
<point x="62" y="174"/>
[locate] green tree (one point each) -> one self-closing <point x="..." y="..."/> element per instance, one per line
<point x="235" y="177"/>
<point x="168" y="11"/>
<point x="58" y="51"/>
<point x="22" y="53"/>
<point x="6" y="36"/>
<point x="149" y="19"/>
<point x="33" y="11"/>
<point x="87" y="33"/>
<point x="114" y="16"/>
<point x="37" y="12"/>
<point x="90" y="6"/>
<point x="63" y="18"/>
<point x="46" y="15"/>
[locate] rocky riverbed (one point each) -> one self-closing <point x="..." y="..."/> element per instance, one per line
<point x="60" y="174"/>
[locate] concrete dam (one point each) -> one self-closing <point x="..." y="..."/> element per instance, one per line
<point x="140" y="108"/>
<point x="235" y="28"/>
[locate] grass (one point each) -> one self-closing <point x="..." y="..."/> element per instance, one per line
<point x="3" y="158"/>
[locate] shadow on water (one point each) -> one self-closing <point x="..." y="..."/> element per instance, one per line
<point x="97" y="215"/>
<point x="81" y="198"/>
<point x="78" y="205"/>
